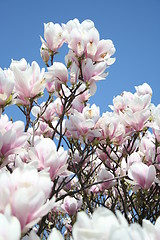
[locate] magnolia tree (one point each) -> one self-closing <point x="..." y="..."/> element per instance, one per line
<point x="69" y="172"/>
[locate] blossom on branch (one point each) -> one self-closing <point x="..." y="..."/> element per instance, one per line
<point x="6" y="87"/>
<point x="12" y="138"/>
<point x="31" y="190"/>
<point x="29" y="81"/>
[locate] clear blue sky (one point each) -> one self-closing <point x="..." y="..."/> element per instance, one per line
<point x="133" y="26"/>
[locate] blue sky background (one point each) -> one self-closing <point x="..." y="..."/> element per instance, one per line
<point x="133" y="26"/>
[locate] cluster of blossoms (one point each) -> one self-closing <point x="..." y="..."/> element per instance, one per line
<point x="69" y="171"/>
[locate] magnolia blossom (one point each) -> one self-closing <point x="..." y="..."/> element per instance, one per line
<point x="93" y="73"/>
<point x="45" y="113"/>
<point x="57" y="72"/>
<point x="50" y="112"/>
<point x="133" y="158"/>
<point x="105" y="49"/>
<point x="135" y="120"/>
<point x="111" y="128"/>
<point x="29" y="81"/>
<point x="74" y="73"/>
<point x="10" y="228"/>
<point x="107" y="178"/>
<point x="155" y="124"/>
<point x="41" y="129"/>
<point x="45" y="154"/>
<point x="71" y="24"/>
<point x="81" y="125"/>
<point x="55" y="234"/>
<point x="26" y="191"/>
<point x="83" y="39"/>
<point x="76" y="42"/>
<point x="53" y="35"/>
<point x="71" y="205"/>
<point x="135" y="102"/>
<point x="44" y="53"/>
<point x="94" y="227"/>
<point x="153" y="231"/>
<point x="107" y="156"/>
<point x="143" y="89"/>
<point x="12" y="137"/>
<point x="21" y="64"/>
<point x="133" y="109"/>
<point x="82" y="96"/>
<point x="147" y="148"/>
<point x="157" y="162"/>
<point x="142" y="175"/>
<point x="77" y="34"/>
<point x="6" y="86"/>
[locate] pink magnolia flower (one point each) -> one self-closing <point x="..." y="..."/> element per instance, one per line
<point x="74" y="73"/>
<point x="111" y="128"/>
<point x="84" y="39"/>
<point x="92" y="112"/>
<point x="143" y="89"/>
<point x="71" y="205"/>
<point x="41" y="129"/>
<point x="155" y="124"/>
<point x="117" y="227"/>
<point x="21" y="64"/>
<point x="26" y="191"/>
<point x="147" y="148"/>
<point x="105" y="49"/>
<point x="50" y="112"/>
<point x="51" y="87"/>
<point x="44" y="53"/>
<point x="55" y="234"/>
<point x="71" y="59"/>
<point x="12" y="137"/>
<point x="127" y="162"/>
<point x="6" y="86"/>
<point x="76" y="42"/>
<point x="135" y="102"/>
<point x="93" y="73"/>
<point x="135" y="120"/>
<point x="142" y="175"/>
<point x="47" y="157"/>
<point x="86" y="25"/>
<point x="134" y="110"/>
<point x="53" y="35"/>
<point x="10" y="228"/>
<point x="77" y="35"/>
<point x="80" y="101"/>
<point x="133" y="158"/>
<point x="92" y="40"/>
<point x="58" y="74"/>
<point x="157" y="162"/>
<point x="153" y="231"/>
<point x="121" y="102"/>
<point x="70" y="25"/>
<point x="108" y="179"/>
<point x="94" y="227"/>
<point x="104" y="157"/>
<point x="29" y="81"/>
<point x="81" y="125"/>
